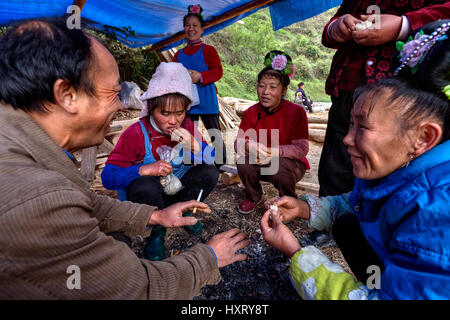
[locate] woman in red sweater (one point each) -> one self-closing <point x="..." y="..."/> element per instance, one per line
<point x="272" y="141"/>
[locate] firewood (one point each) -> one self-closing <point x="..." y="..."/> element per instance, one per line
<point x="88" y="157"/>
<point x="321" y="126"/>
<point x="308" y="187"/>
<point x="317" y="135"/>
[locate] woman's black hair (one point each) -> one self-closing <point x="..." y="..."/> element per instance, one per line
<point x="419" y="96"/>
<point x="198" y="16"/>
<point x="168" y="100"/>
<point x="284" y="78"/>
<point x="36" y="53"/>
<point x="433" y="71"/>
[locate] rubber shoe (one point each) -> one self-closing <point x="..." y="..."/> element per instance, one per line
<point x="195" y="229"/>
<point x="247" y="206"/>
<point x="155" y="250"/>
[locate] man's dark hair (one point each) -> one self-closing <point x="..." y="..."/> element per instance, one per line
<point x="36" y="53"/>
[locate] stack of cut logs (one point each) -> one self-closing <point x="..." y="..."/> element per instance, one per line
<point x="228" y="118"/>
<point x="317" y="127"/>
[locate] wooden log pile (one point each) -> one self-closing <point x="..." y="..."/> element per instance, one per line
<point x="228" y="117"/>
<point x="317" y="126"/>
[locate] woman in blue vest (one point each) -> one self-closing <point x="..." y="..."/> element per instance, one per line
<point x="136" y="167"/>
<point x="393" y="228"/>
<point x="205" y="68"/>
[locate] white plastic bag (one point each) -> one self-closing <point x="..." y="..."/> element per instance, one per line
<point x="129" y="95"/>
<point x="170" y="183"/>
<point x="196" y="98"/>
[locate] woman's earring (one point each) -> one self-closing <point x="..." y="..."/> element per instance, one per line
<point x="411" y="158"/>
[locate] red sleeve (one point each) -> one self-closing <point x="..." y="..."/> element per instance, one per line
<point x="301" y="123"/>
<point x="130" y="148"/>
<point x="243" y="127"/>
<point x="214" y="65"/>
<point x="299" y="145"/>
<point x="421" y="17"/>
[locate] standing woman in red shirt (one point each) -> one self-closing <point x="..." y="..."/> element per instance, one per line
<point x="272" y="141"/>
<point x="205" y="68"/>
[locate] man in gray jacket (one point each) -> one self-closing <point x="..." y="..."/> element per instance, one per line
<point x="59" y="92"/>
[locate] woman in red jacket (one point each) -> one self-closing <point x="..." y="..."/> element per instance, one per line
<point x="273" y="135"/>
<point x="205" y="68"/>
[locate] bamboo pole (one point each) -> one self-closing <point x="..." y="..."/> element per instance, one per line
<point x="215" y="20"/>
<point x="79" y="3"/>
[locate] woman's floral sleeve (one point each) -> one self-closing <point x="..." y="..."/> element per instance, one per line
<point x="318" y="278"/>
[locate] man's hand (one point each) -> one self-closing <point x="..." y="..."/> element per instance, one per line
<point x="289" y="208"/>
<point x="159" y="168"/>
<point x="340" y="30"/>
<point x="184" y="137"/>
<point x="276" y="234"/>
<point x="226" y="244"/>
<point x="386" y="30"/>
<point x="173" y="216"/>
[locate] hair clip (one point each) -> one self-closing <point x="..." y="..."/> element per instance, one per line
<point x="196" y="9"/>
<point x="413" y="51"/>
<point x="446" y="91"/>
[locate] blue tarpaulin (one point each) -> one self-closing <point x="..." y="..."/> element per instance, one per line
<point x="138" y="23"/>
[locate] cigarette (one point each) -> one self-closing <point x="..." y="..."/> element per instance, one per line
<point x="198" y="199"/>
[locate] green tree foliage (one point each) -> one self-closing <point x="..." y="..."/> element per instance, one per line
<point x="242" y="48"/>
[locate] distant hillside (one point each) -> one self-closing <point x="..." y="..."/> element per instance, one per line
<point x="242" y="48"/>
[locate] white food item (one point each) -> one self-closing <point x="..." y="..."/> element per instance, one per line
<point x="274" y="208"/>
<point x="171" y="184"/>
<point x="363" y="25"/>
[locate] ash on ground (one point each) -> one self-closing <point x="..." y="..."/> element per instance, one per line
<point x="264" y="275"/>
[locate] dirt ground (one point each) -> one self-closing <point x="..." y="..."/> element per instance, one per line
<point x="264" y="275"/>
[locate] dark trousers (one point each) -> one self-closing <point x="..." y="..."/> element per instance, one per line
<point x="335" y="168"/>
<point x="211" y="121"/>
<point x="357" y="252"/>
<point x="148" y="189"/>
<point x="308" y="105"/>
<point x="289" y="173"/>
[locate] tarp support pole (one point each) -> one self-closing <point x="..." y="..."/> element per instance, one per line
<point x="79" y="3"/>
<point x="215" y="20"/>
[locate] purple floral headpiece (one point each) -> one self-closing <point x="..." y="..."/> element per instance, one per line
<point x="280" y="62"/>
<point x="413" y="51"/>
